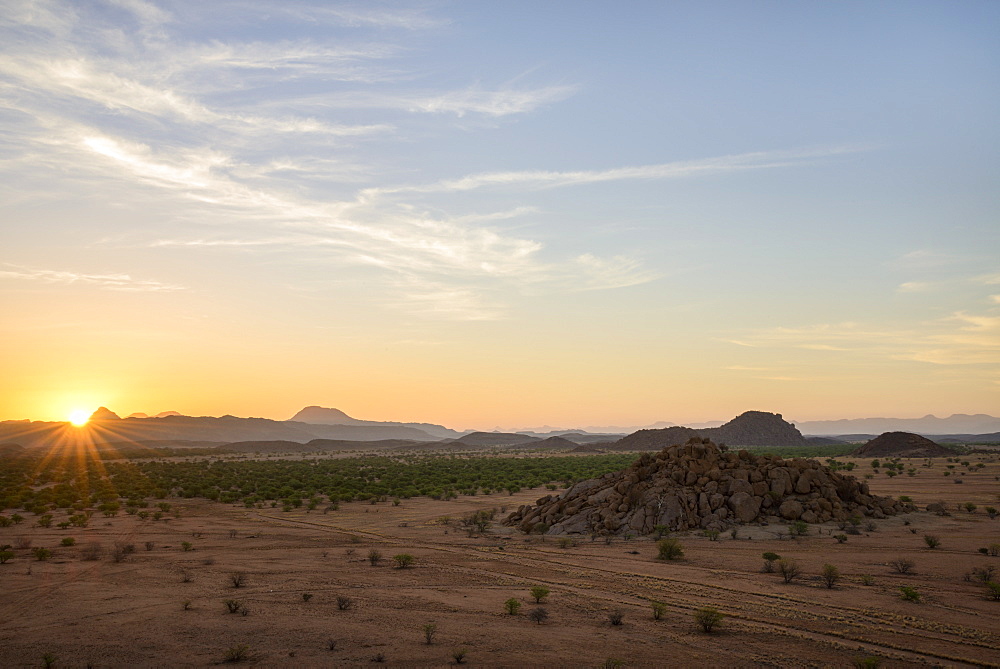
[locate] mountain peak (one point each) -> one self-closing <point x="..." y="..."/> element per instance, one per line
<point x="323" y="415"/>
<point x="104" y="413"/>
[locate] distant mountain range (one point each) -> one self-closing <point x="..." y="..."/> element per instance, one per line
<point x="753" y="428"/>
<point x="928" y="425"/>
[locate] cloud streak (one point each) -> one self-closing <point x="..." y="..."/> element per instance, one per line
<point x="120" y="282"/>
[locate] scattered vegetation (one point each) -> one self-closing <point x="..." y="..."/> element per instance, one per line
<point x="902" y="565"/>
<point x="769" y="560"/>
<point x="430" y="629"/>
<point x="932" y="541"/>
<point x="789" y="570"/>
<point x="707" y="618"/>
<point x="403" y="560"/>
<point x="659" y="608"/>
<point x="616" y="618"/>
<point x="830" y="575"/>
<point x="539" y="592"/>
<point x="538" y="615"/>
<point x="669" y="549"/>
<point x="909" y="594"/>
<point x="512" y="606"/>
<point x="237" y="653"/>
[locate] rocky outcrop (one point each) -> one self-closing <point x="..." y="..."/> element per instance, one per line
<point x="701" y="485"/>
<point x="902" y="445"/>
<point x="104" y="413"/>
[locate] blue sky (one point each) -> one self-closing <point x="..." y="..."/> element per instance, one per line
<point x="501" y="213"/>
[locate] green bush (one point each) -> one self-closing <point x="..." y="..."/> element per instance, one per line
<point x="403" y="560"/>
<point x="539" y="592"/>
<point x="669" y="549"/>
<point x="909" y="594"/>
<point x="68" y="541"/>
<point x="830" y="575"/>
<point x="659" y="608"/>
<point x="707" y="618"/>
<point x="769" y="560"/>
<point x="512" y="606"/>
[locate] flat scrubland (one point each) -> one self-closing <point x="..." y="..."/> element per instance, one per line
<point x="311" y="596"/>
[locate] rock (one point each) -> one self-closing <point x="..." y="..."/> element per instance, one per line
<point x="700" y="485"/>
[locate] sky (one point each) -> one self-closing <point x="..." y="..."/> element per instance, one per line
<point x="487" y="214"/>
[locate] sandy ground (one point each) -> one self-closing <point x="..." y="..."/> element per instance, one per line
<point x="132" y="614"/>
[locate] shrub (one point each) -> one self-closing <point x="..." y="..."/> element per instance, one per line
<point x="343" y="603"/>
<point x="830" y="575"/>
<point x="22" y="543"/>
<point x="659" y="608"/>
<point x="237" y="653"/>
<point x="707" y="618"/>
<point x="430" y="629"/>
<point x="49" y="660"/>
<point x="538" y="615"/>
<point x="5" y="555"/>
<point x="403" y="560"/>
<point x="993" y="590"/>
<point x="512" y="606"/>
<point x="661" y="530"/>
<point x="41" y="554"/>
<point x="539" y="592"/>
<point x="68" y="541"/>
<point x="931" y="541"/>
<point x="993" y="549"/>
<point x="331" y="644"/>
<point x="870" y="662"/>
<point x="902" y="565"/>
<point x="841" y="538"/>
<point x="789" y="570"/>
<point x="616" y="617"/>
<point x="991" y="512"/>
<point x="238" y="579"/>
<point x="866" y="579"/>
<point x="186" y="605"/>
<point x="374" y="556"/>
<point x="186" y="546"/>
<point x="909" y="594"/>
<point x="713" y="535"/>
<point x="233" y="605"/>
<point x="306" y="596"/>
<point x="970" y="507"/>
<point x="459" y="655"/>
<point x="669" y="549"/>
<point x="769" y="560"/>
<point x="799" y="528"/>
<point x="566" y="542"/>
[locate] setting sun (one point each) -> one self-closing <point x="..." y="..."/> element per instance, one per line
<point x="79" y="417"/>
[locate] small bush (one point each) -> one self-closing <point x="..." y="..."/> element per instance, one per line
<point x="830" y="575"/>
<point x="866" y="579"/>
<point x="238" y="579"/>
<point x="233" y="605"/>
<point x="5" y="555"/>
<point x="331" y="644"/>
<point x="669" y="549"/>
<point x="68" y="541"/>
<point x="459" y="655"/>
<point x="799" y="528"/>
<point x="931" y="541"/>
<point x="659" y="608"/>
<point x="344" y="603"/>
<point x="49" y="660"/>
<point x="237" y="653"/>
<point x="713" y="535"/>
<point x="841" y="538"/>
<point x="378" y="657"/>
<point x="538" y="615"/>
<point x="902" y="565"/>
<point x="539" y="592"/>
<point x="789" y="570"/>
<point x="306" y="596"/>
<point x="430" y="629"/>
<point x="870" y="662"/>
<point x="993" y="590"/>
<point x="187" y="546"/>
<point x="616" y="618"/>
<point x="707" y="618"/>
<point x="403" y="560"/>
<point x="909" y="594"/>
<point x="512" y="606"/>
<point x="374" y="557"/>
<point x="41" y="554"/>
<point x="993" y="549"/>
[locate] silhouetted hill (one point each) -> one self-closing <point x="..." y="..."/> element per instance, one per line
<point x="327" y="416"/>
<point x="495" y="439"/>
<point x="104" y="413"/>
<point x="902" y="445"/>
<point x="752" y="428"/>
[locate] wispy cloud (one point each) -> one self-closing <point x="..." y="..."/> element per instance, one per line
<point x="122" y="282"/>
<point x="536" y="179"/>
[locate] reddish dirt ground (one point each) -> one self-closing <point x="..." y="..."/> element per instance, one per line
<point x="105" y="613"/>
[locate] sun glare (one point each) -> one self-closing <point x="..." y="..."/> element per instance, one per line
<point x="79" y="417"/>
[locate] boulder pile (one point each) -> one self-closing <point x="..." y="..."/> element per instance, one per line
<point x="698" y="485"/>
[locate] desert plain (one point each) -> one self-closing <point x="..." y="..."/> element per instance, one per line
<point x="311" y="596"/>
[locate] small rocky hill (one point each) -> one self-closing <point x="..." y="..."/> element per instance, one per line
<point x="496" y="439"/>
<point x="901" y="445"/>
<point x="700" y="485"/>
<point x="751" y="428"/>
